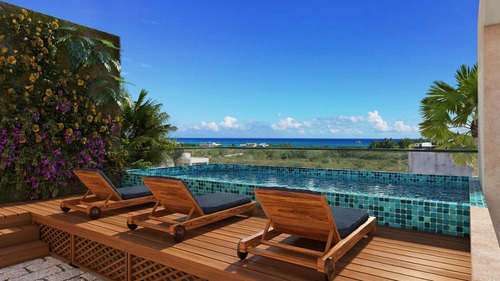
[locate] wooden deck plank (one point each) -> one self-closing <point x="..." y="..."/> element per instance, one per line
<point x="210" y="251"/>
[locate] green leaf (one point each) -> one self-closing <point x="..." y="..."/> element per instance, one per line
<point x="121" y="80"/>
<point x="108" y="44"/>
<point x="68" y="27"/>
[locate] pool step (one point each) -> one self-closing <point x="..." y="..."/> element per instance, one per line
<point x="19" y="240"/>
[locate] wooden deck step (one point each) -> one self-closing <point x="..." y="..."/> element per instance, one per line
<point x="15" y="219"/>
<point x="23" y="252"/>
<point x="18" y="234"/>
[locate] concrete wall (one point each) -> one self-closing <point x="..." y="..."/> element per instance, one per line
<point x="489" y="105"/>
<point x="435" y="163"/>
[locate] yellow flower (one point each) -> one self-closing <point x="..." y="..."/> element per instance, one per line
<point x="21" y="17"/>
<point x="48" y="92"/>
<point x="45" y="50"/>
<point x="117" y="119"/>
<point x="55" y="25"/>
<point x="4" y="50"/>
<point x="38" y="138"/>
<point x="26" y="94"/>
<point x="29" y="88"/>
<point x="60" y="126"/>
<point x="13" y="106"/>
<point x="75" y="109"/>
<point x="29" y="19"/>
<point x="94" y="135"/>
<point x="11" y="60"/>
<point x="14" y="21"/>
<point x="46" y="99"/>
<point x="90" y="118"/>
<point x="39" y="42"/>
<point x="35" y="128"/>
<point x="33" y="77"/>
<point x="77" y="126"/>
<point x="80" y="82"/>
<point x="84" y="140"/>
<point x="25" y="12"/>
<point x="10" y="91"/>
<point x="69" y="131"/>
<point x="103" y="129"/>
<point x="125" y="153"/>
<point x="110" y="143"/>
<point x="22" y="140"/>
<point x="108" y="154"/>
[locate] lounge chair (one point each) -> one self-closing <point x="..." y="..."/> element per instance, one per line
<point x="105" y="196"/>
<point x="175" y="197"/>
<point x="306" y="214"/>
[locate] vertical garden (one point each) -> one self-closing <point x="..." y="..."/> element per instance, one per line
<point x="57" y="111"/>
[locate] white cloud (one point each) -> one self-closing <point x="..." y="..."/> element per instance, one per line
<point x="230" y="123"/>
<point x="145" y="65"/>
<point x="211" y="126"/>
<point x="377" y="121"/>
<point x="204" y="125"/>
<point x="399" y="126"/>
<point x="353" y="119"/>
<point x="289" y="123"/>
<point x="334" y="131"/>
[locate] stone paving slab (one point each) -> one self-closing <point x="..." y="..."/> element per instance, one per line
<point x="45" y="269"/>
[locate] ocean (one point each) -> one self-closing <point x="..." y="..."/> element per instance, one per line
<point x="295" y="142"/>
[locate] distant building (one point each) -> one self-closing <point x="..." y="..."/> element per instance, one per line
<point x="424" y="145"/>
<point x="213" y="144"/>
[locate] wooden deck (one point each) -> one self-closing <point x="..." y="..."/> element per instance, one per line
<point x="108" y="247"/>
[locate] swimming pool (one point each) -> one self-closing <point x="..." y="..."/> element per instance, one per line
<point x="431" y="203"/>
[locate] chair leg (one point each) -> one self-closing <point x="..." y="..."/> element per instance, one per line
<point x="241" y="255"/>
<point x="329" y="270"/>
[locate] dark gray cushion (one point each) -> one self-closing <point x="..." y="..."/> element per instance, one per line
<point x="216" y="202"/>
<point x="131" y="192"/>
<point x="347" y="219"/>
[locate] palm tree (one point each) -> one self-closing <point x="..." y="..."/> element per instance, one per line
<point x="145" y="129"/>
<point x="450" y="115"/>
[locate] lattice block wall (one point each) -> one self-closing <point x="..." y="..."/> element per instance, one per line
<point x="105" y="260"/>
<point x="143" y="269"/>
<point x="100" y="258"/>
<point x="59" y="241"/>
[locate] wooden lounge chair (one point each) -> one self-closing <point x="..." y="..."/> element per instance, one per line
<point x="104" y="195"/>
<point x="306" y="214"/>
<point x="175" y="197"/>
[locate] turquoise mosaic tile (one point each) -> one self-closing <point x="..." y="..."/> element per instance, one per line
<point x="476" y="194"/>
<point x="451" y="218"/>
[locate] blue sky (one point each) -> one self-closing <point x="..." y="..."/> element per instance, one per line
<point x="254" y="68"/>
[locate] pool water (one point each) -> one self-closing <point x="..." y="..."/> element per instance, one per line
<point x="456" y="193"/>
<point x="433" y="203"/>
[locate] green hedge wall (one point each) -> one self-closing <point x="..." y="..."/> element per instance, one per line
<point x="49" y="121"/>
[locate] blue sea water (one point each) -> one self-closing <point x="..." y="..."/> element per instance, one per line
<point x="295" y="142"/>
